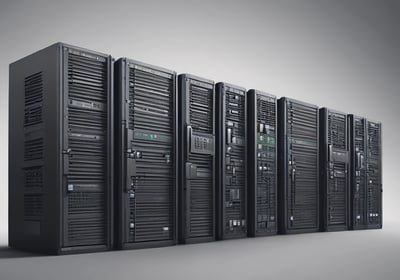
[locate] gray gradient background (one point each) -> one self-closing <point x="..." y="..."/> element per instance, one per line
<point x="340" y="54"/>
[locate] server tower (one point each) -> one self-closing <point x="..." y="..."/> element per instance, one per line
<point x="298" y="160"/>
<point x="334" y="170"/>
<point x="196" y="159"/>
<point x="146" y="152"/>
<point x="61" y="151"/>
<point x="262" y="163"/>
<point x="366" y="173"/>
<point x="231" y="161"/>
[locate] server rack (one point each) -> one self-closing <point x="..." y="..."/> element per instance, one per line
<point x="334" y="170"/>
<point x="146" y="150"/>
<point x="366" y="173"/>
<point x="298" y="161"/>
<point x="231" y="161"/>
<point x="61" y="151"/>
<point x="262" y="163"/>
<point x="196" y="159"/>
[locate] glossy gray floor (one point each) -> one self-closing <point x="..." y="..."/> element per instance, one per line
<point x="373" y="254"/>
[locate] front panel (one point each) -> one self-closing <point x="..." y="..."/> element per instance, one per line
<point x="334" y="170"/>
<point x="358" y="150"/>
<point x="262" y="167"/>
<point x="299" y="176"/>
<point x="197" y="130"/>
<point x="87" y="148"/>
<point x="232" y="154"/>
<point x="374" y="174"/>
<point x="147" y="155"/>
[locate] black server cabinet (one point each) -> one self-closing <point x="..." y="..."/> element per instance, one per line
<point x="298" y="165"/>
<point x="262" y="163"/>
<point x="196" y="159"/>
<point x="61" y="151"/>
<point x="366" y="173"/>
<point x="146" y="152"/>
<point x="231" y="161"/>
<point x="334" y="170"/>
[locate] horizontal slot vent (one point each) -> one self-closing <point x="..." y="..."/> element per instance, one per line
<point x="33" y="149"/>
<point x="151" y="101"/>
<point x="201" y="109"/>
<point x="33" y="99"/>
<point x="33" y="178"/>
<point x="337" y="135"/>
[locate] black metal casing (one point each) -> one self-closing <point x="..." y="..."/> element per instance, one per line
<point x="231" y="161"/>
<point x="61" y="151"/>
<point x="197" y="214"/>
<point x="262" y="163"/>
<point x="334" y="170"/>
<point x="298" y="165"/>
<point x="365" y="143"/>
<point x="146" y="150"/>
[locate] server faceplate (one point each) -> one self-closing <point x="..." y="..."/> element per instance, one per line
<point x="262" y="163"/>
<point x="366" y="173"/>
<point x="231" y="161"/>
<point x="334" y="170"/>
<point x="298" y="150"/>
<point x="197" y="160"/>
<point x="146" y="147"/>
<point x="61" y="151"/>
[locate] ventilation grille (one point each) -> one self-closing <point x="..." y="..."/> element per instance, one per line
<point x="337" y="130"/>
<point x="201" y="109"/>
<point x="87" y="146"/>
<point x="303" y="165"/>
<point x="33" y="149"/>
<point x="151" y="117"/>
<point x="266" y="169"/>
<point x="201" y="211"/>
<point x="33" y="178"/>
<point x="33" y="99"/>
<point x="33" y="206"/>
<point x="374" y="173"/>
<point x="86" y="217"/>
<point x="235" y="173"/>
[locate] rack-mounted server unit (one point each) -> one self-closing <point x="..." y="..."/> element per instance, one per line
<point x="61" y="151"/>
<point x="231" y="161"/>
<point x="366" y="173"/>
<point x="298" y="161"/>
<point x="146" y="153"/>
<point x="197" y="213"/>
<point x="334" y="170"/>
<point x="262" y="163"/>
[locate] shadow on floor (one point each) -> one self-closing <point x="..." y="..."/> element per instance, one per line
<point x="9" y="253"/>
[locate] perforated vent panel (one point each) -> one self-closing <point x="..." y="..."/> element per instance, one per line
<point x="151" y="177"/>
<point x="33" y="99"/>
<point x="86" y="150"/>
<point x="303" y="161"/>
